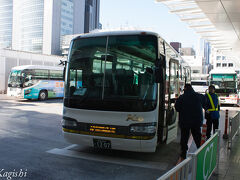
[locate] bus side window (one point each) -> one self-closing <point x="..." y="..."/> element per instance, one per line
<point x="41" y="74"/>
<point x="55" y="75"/>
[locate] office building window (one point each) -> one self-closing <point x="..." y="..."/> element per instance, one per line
<point x="230" y="64"/>
<point x="196" y="71"/>
<point x="218" y="57"/>
<point x="218" y="64"/>
<point x="224" y="65"/>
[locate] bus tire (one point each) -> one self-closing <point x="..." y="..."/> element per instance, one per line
<point x="43" y="95"/>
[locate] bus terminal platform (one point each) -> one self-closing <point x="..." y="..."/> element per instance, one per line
<point x="229" y="162"/>
<point x="229" y="159"/>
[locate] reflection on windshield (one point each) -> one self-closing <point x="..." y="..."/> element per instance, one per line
<point x="121" y="80"/>
<point x="15" y="78"/>
<point x="224" y="84"/>
<point x="21" y="78"/>
<point x="227" y="91"/>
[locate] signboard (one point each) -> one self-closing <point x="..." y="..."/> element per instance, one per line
<point x="207" y="159"/>
<point x="225" y="77"/>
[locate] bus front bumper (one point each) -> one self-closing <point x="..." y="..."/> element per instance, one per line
<point x="116" y="143"/>
<point x="228" y="101"/>
<point x="16" y="92"/>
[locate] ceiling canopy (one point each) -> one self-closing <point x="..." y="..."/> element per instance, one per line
<point x="217" y="21"/>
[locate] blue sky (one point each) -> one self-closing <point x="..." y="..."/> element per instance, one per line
<point x="147" y="14"/>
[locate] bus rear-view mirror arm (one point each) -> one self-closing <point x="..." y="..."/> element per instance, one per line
<point x="63" y="63"/>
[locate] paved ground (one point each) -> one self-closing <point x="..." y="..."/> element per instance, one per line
<point x="31" y="142"/>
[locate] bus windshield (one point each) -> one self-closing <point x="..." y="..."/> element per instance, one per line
<point x="15" y="78"/>
<point x="113" y="73"/>
<point x="227" y="91"/>
<point x="224" y="84"/>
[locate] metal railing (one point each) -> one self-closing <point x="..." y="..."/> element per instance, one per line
<point x="234" y="124"/>
<point x="200" y="164"/>
<point x="180" y="172"/>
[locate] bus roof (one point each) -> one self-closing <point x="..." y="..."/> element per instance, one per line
<point x="37" y="67"/>
<point x="222" y="71"/>
<point x="114" y="33"/>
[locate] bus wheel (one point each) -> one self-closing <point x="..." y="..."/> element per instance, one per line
<point x="42" y="95"/>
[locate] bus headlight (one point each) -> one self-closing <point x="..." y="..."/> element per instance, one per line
<point x="28" y="91"/>
<point x="69" y="122"/>
<point x="149" y="128"/>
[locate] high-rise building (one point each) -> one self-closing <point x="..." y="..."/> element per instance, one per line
<point x="187" y="51"/>
<point x="176" y="45"/>
<point x="27" y="31"/>
<point x="207" y="51"/>
<point x="38" y="25"/>
<point x="91" y="15"/>
<point x="6" y="10"/>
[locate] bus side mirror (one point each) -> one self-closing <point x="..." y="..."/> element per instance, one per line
<point x="27" y="79"/>
<point x="159" y="71"/>
<point x="63" y="63"/>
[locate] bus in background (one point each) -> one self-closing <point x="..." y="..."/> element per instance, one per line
<point x="187" y="73"/>
<point x="184" y="75"/>
<point x="226" y="83"/>
<point x="200" y="86"/>
<point x="36" y="82"/>
<point x="120" y="91"/>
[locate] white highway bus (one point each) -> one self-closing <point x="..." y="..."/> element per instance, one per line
<point x="120" y="90"/>
<point x="226" y="83"/>
<point x="36" y="82"/>
<point x="200" y="86"/>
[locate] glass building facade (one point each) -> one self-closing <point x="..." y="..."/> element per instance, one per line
<point x="66" y="17"/>
<point x="91" y="15"/>
<point x="6" y="19"/>
<point x="38" y="25"/>
<point x="31" y="25"/>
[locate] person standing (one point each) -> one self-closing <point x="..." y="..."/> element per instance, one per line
<point x="190" y="107"/>
<point x="212" y="109"/>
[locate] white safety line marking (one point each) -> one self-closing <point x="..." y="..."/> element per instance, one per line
<point x="114" y="160"/>
<point x="71" y="146"/>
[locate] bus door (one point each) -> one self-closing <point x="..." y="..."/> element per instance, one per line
<point x="173" y="93"/>
<point x="181" y="79"/>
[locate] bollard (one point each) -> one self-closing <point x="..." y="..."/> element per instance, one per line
<point x="204" y="132"/>
<point x="225" y="135"/>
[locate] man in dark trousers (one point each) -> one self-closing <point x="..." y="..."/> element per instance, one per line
<point x="212" y="110"/>
<point x="190" y="107"/>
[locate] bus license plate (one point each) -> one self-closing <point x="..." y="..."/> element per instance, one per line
<point x="101" y="144"/>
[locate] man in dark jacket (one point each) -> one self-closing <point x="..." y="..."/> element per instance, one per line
<point x="212" y="110"/>
<point x="190" y="105"/>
